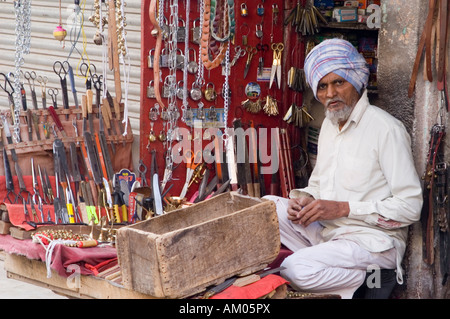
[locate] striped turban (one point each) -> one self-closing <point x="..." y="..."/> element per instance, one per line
<point x="337" y="56"/>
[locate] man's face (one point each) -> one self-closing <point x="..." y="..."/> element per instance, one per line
<point x="338" y="96"/>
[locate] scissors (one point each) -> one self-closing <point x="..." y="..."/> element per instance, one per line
<point x="8" y="88"/>
<point x="192" y="161"/>
<point x="98" y="89"/>
<point x="54" y="94"/>
<point x="43" y="82"/>
<point x="276" y="64"/>
<point x="87" y="71"/>
<point x="239" y="52"/>
<point x="262" y="48"/>
<point x="30" y="77"/>
<point x="61" y="69"/>
<point x="251" y="51"/>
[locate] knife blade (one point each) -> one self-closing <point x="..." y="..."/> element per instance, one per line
<point x="92" y="157"/>
<point x="157" y="201"/>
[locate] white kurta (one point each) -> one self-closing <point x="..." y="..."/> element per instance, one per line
<point x="369" y="164"/>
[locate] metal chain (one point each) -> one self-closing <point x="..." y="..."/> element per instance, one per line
<point x="200" y="81"/>
<point x="22" y="10"/>
<point x="226" y="96"/>
<point x="184" y="105"/>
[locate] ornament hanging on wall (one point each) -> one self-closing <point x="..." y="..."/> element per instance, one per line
<point x="60" y="33"/>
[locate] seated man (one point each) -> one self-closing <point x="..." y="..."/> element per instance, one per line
<point x="364" y="190"/>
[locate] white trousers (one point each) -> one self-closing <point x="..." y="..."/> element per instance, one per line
<point x="333" y="267"/>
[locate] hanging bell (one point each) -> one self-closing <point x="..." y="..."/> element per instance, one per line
<point x="59" y="33"/>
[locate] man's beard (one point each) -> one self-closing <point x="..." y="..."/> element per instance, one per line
<point x="340" y="115"/>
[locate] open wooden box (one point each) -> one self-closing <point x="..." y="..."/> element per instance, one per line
<point x="184" y="251"/>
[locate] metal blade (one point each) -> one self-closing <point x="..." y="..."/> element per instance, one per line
<point x="157" y="201"/>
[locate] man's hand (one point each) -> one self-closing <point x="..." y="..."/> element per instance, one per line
<point x="316" y="210"/>
<point x="295" y="205"/>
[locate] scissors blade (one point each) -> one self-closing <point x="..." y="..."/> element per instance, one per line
<point x="279" y="75"/>
<point x="247" y="67"/>
<point x="272" y="74"/>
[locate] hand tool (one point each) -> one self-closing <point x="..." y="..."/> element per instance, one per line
<point x="43" y="82"/>
<point x="239" y="52"/>
<point x="35" y="119"/>
<point x="54" y="95"/>
<point x="89" y="97"/>
<point x="98" y="89"/>
<point x="142" y="171"/>
<point x="25" y="210"/>
<point x="44" y="187"/>
<point x="262" y="48"/>
<point x="33" y="210"/>
<point x="90" y="205"/>
<point x="247" y="171"/>
<point x="276" y="64"/>
<point x="23" y="94"/>
<point x="202" y="186"/>
<point x="31" y="77"/>
<point x="231" y="158"/>
<point x="118" y="204"/>
<point x="253" y="158"/>
<point x="157" y="199"/>
<point x="87" y="70"/>
<point x="106" y="121"/>
<point x="61" y="69"/>
<point x="29" y="120"/>
<point x="192" y="161"/>
<point x="239" y="146"/>
<point x="57" y="121"/>
<point x="222" y="188"/>
<point x="36" y="199"/>
<point x="251" y="51"/>
<point x="102" y="153"/>
<point x="8" y="88"/>
<point x="92" y="157"/>
<point x="72" y="85"/>
<point x="9" y="180"/>
<point x="60" y="210"/>
<point x="49" y="186"/>
<point x="22" y="187"/>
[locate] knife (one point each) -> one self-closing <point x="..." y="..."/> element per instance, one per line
<point x="157" y="201"/>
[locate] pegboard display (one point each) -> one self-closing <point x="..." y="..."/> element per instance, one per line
<point x="252" y="98"/>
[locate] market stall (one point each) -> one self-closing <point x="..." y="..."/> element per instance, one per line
<point x="223" y="122"/>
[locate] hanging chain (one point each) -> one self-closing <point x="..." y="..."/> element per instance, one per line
<point x="22" y="10"/>
<point x="199" y="80"/>
<point x="184" y="105"/>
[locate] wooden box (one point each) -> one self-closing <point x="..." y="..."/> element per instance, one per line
<point x="184" y="251"/>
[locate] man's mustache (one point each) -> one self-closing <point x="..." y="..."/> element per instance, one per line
<point x="329" y="101"/>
